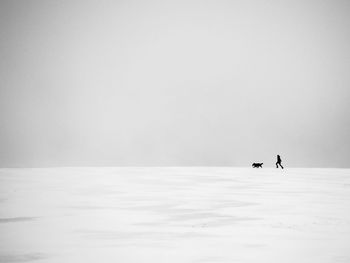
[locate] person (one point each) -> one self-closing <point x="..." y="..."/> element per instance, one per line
<point x="279" y="161"/>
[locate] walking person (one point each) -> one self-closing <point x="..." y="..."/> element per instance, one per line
<point x="279" y="161"/>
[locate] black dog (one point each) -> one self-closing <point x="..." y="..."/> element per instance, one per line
<point x="257" y="165"/>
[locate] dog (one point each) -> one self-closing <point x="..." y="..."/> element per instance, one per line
<point x="257" y="165"/>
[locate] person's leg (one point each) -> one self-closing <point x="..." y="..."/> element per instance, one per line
<point x="277" y="165"/>
<point x="281" y="165"/>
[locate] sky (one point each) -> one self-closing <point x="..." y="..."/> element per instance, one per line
<point x="174" y="83"/>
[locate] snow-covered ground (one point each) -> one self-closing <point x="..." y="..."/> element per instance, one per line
<point x="174" y="215"/>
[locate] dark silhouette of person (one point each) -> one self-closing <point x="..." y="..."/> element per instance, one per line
<point x="279" y="161"/>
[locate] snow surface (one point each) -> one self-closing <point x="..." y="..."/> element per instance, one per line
<point x="174" y="215"/>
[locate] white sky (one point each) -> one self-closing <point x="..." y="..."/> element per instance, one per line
<point x="174" y="83"/>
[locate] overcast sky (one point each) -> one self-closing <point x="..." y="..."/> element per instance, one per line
<point x="174" y="83"/>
